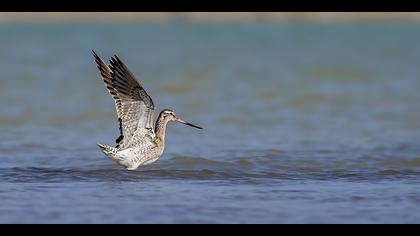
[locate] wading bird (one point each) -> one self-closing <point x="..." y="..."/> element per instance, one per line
<point x="139" y="143"/>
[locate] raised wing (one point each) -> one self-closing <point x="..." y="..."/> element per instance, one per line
<point x="134" y="106"/>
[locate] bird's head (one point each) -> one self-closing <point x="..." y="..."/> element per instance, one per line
<point x="169" y="115"/>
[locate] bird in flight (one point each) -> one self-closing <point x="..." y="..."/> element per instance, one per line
<point x="140" y="143"/>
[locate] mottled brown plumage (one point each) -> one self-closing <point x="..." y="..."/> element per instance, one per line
<point x="139" y="143"/>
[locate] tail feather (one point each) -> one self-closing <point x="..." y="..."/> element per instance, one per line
<point x="107" y="149"/>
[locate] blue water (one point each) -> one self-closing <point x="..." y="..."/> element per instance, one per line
<point x="303" y="123"/>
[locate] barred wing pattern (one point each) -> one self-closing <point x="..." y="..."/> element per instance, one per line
<point x="134" y="106"/>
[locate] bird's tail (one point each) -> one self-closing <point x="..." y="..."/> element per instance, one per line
<point x="109" y="151"/>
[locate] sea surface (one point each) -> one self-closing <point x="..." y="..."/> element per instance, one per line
<point x="304" y="122"/>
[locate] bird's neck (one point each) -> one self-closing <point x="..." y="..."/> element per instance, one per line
<point x="160" y="129"/>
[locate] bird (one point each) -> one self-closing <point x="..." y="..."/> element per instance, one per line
<point x="139" y="143"/>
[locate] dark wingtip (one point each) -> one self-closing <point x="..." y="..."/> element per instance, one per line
<point x="117" y="59"/>
<point x="95" y="55"/>
<point x="113" y="60"/>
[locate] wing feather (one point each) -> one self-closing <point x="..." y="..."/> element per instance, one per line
<point x="134" y="106"/>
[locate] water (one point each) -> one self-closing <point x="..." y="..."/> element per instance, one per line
<point x="303" y="123"/>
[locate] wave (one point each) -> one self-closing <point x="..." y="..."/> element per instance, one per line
<point x="267" y="165"/>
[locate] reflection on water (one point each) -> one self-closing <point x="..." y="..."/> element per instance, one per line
<point x="303" y="122"/>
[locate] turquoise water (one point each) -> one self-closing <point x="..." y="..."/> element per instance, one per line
<point x="303" y="123"/>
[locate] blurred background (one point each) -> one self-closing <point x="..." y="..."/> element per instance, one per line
<point x="308" y="117"/>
